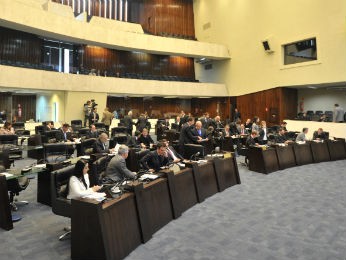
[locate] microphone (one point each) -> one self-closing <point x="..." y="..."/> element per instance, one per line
<point x="194" y="156"/>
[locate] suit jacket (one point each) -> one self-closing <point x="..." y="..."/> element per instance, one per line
<point x="280" y="139"/>
<point x="128" y="122"/>
<point x="216" y="125"/>
<point x="195" y="133"/>
<point x="186" y="136"/>
<point x="99" y="147"/>
<point x="141" y="123"/>
<point x="145" y="140"/>
<point x="91" y="117"/>
<point x="321" y="136"/>
<point x="107" y="118"/>
<point x="250" y="141"/>
<point x="60" y="137"/>
<point x="117" y="170"/>
<point x="92" y="134"/>
<point x="261" y="134"/>
<point x="153" y="161"/>
<point x="205" y="122"/>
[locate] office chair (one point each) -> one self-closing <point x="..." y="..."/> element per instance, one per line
<point x="60" y="204"/>
<point x="54" y="149"/>
<point x="76" y="124"/>
<point x="138" y="156"/>
<point x="98" y="170"/>
<point x="15" y="186"/>
<point x="87" y="146"/>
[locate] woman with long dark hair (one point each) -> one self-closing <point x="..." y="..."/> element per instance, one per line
<point x="79" y="184"/>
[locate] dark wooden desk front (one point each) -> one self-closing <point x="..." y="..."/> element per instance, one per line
<point x="109" y="230"/>
<point x="263" y="161"/>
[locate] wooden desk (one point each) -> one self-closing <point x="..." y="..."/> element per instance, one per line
<point x="263" y="161"/>
<point x="154" y="206"/>
<point x="107" y="230"/>
<point x="337" y="149"/>
<point x="182" y="190"/>
<point x="320" y="152"/>
<point x="303" y="154"/>
<point x="286" y="158"/>
<point x="205" y="180"/>
<point x="227" y="173"/>
<point x="5" y="209"/>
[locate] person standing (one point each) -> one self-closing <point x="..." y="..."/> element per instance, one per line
<point x="94" y="116"/>
<point x="87" y="111"/>
<point x="237" y="115"/>
<point x="339" y="113"/>
<point x="107" y="118"/>
<point x="128" y="122"/>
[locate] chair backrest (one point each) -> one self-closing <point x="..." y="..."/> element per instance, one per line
<point x="54" y="149"/>
<point x="76" y="122"/>
<point x="9" y="139"/>
<point x="191" y="149"/>
<point x="99" y="166"/>
<point x="59" y="182"/>
<point x="139" y="156"/>
<point x="99" y="125"/>
<point x="39" y="129"/>
<point x="87" y="146"/>
<point x="118" y="130"/>
<point x="82" y="132"/>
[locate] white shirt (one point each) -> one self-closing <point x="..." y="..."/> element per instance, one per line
<point x="172" y="154"/>
<point x="77" y="188"/>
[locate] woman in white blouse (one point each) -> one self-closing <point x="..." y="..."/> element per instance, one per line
<point x="79" y="184"/>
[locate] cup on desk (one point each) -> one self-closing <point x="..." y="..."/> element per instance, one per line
<point x="151" y="146"/>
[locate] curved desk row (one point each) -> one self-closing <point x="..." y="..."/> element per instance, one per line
<point x="111" y="230"/>
<point x="282" y="157"/>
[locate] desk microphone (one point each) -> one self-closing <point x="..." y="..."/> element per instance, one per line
<point x="194" y="156"/>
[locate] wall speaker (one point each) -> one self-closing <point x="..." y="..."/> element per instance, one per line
<point x="266" y="46"/>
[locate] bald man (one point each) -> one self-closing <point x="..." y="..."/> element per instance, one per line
<point x="101" y="146"/>
<point x="199" y="132"/>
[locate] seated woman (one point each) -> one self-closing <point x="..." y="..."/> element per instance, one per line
<point x="7" y="129"/>
<point x="79" y="184"/>
<point x="144" y="139"/>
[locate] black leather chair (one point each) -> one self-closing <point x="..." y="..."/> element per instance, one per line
<point x="35" y="141"/>
<point x="40" y="129"/>
<point x="9" y="139"/>
<point x="60" y="204"/>
<point x="15" y="186"/>
<point x="138" y="157"/>
<point x="98" y="170"/>
<point x="118" y="130"/>
<point x="76" y="124"/>
<point x="87" y="146"/>
<point x="59" y="150"/>
<point x="83" y="133"/>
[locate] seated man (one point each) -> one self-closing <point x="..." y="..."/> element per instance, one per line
<point x="154" y="160"/>
<point x="64" y="135"/>
<point x="144" y="139"/>
<point x="302" y="136"/>
<point x="100" y="145"/>
<point x="116" y="169"/>
<point x="173" y="156"/>
<point x="320" y="135"/>
<point x="92" y="133"/>
<point x="281" y="138"/>
<point x="250" y="141"/>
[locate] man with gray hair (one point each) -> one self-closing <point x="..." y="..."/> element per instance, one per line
<point x="116" y="169"/>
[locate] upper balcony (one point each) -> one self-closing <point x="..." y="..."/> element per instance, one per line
<point x="53" y="20"/>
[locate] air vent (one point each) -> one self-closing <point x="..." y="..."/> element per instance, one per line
<point x="208" y="67"/>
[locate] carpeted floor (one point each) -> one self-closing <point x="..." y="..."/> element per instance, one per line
<point x="298" y="213"/>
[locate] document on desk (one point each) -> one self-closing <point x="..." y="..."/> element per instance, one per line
<point x="6" y="174"/>
<point x="148" y="176"/>
<point x="100" y="196"/>
<point x="40" y="166"/>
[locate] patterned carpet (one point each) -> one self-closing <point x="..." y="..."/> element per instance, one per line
<point x="298" y="213"/>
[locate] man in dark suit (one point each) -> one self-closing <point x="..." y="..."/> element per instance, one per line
<point x="320" y="135"/>
<point x="250" y="141"/>
<point x="198" y="131"/>
<point x="128" y="122"/>
<point x="154" y="160"/>
<point x="183" y="118"/>
<point x="141" y="122"/>
<point x="173" y="155"/>
<point x="100" y="146"/>
<point x="237" y="115"/>
<point x="92" y="133"/>
<point x="281" y="138"/>
<point x="216" y="123"/>
<point x="116" y="169"/>
<point x="205" y="120"/>
<point x="186" y="136"/>
<point x="64" y="135"/>
<point x="94" y="116"/>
